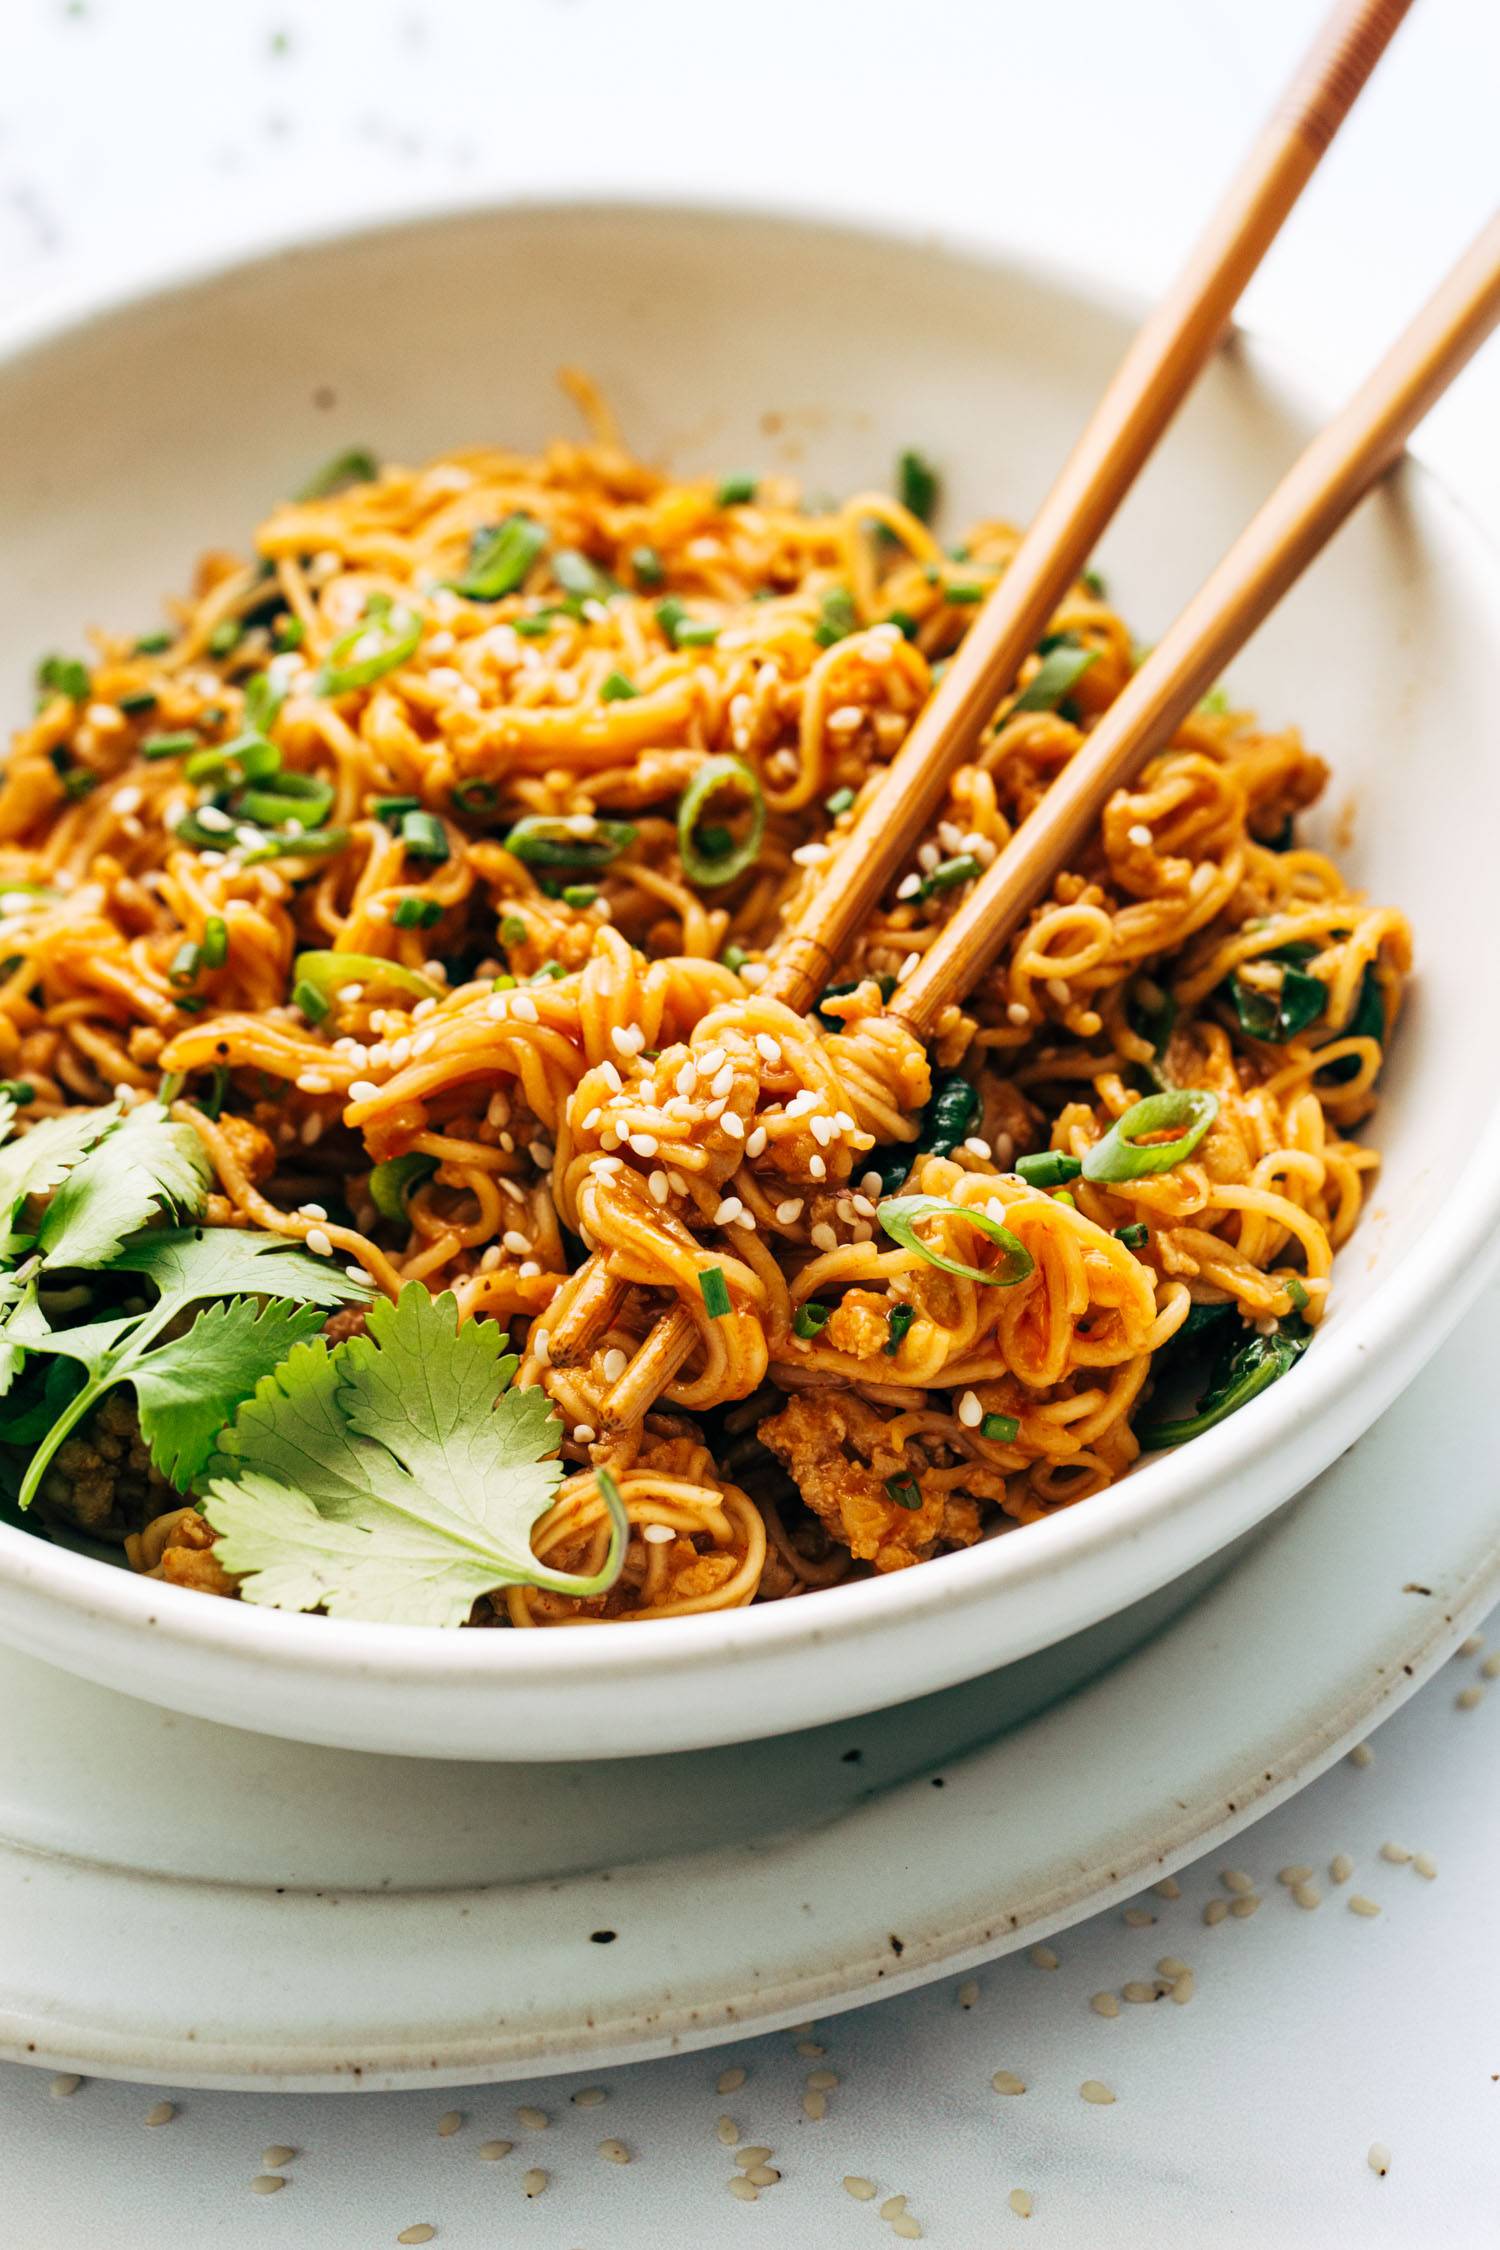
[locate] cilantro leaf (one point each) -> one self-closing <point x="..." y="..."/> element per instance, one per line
<point x="34" y="1164"/>
<point x="193" y="1263"/>
<point x="135" y="1169"/>
<point x="396" y="1478"/>
<point x="186" y="1390"/>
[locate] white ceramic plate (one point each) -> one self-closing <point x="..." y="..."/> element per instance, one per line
<point x="185" y="1903"/>
<point x="133" y="437"/>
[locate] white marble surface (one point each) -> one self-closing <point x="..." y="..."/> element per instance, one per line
<point x="134" y="133"/>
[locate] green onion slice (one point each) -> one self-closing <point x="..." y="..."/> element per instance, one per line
<point x="330" y="972"/>
<point x="412" y="913"/>
<point x="314" y="843"/>
<point x="301" y="797"/>
<point x="715" y="1291"/>
<point x="899" y="1216"/>
<point x="1048" y="1168"/>
<point x="581" y="578"/>
<point x="1002" y="1429"/>
<point x="1060" y="668"/>
<point x="716" y="774"/>
<point x="905" y="1491"/>
<point x="500" y="555"/>
<point x="897" y="1322"/>
<point x="392" y="635"/>
<point x="809" y="1318"/>
<point x="547" y="840"/>
<point x="215" y="942"/>
<point x="1186" y="1110"/>
<point x="357" y="466"/>
<point x="392" y="1182"/>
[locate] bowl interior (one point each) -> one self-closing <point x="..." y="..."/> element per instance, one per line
<point x="131" y="442"/>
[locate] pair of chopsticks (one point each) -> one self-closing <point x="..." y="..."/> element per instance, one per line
<point x="1302" y="514"/>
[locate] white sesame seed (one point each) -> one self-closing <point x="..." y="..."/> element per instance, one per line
<point x="161" y="2113"/>
<point x="789" y="1211"/>
<point x="1306" y="1895"/>
<point x="615" y="1364"/>
<point x="1017" y="1012"/>
<point x="492" y="2151"/>
<point x="908" y="886"/>
<point x="817" y="1168"/>
<point x="662" y="1535"/>
<point x="755" y="1142"/>
<point x="823" y="1237"/>
<point x="1006" y="2082"/>
<point x="584" y="1433"/>
<point x="66" y="2082"/>
<point x="523" y="1007"/>
<point x="1397" y="1854"/>
<point x="534" y="2182"/>
<point x="862" y="2190"/>
<point x="1140" y="835"/>
<point x="970" y="1412"/>
<point x="748" y="2158"/>
<point x="822" y="2081"/>
<point x="541" y="1154"/>
<point x="815" y="2107"/>
<point x="318" y="1243"/>
<point x="541" y="1345"/>
<point x="449" y="2123"/>
<point x="1105" y="2004"/>
<point x="267" y="2183"/>
<point x="968" y="1993"/>
<point x="644" y="1144"/>
<point x="1379" y="2158"/>
<point x="1469" y="1698"/>
<point x="1293" y="1875"/>
<point x="727" y="2131"/>
<point x="614" y="2152"/>
<point x="1424" y="1864"/>
<point x="909" y="967"/>
<point x="741" y="2188"/>
<point x="364" y="1090"/>
<point x="1217" y="1910"/>
<point x="1341" y="1867"/>
<point x="278" y="2154"/>
<point x="1042" y="1957"/>
<point x="893" y="2207"/>
<point x="1490" y="1668"/>
<point x="1137" y="1918"/>
<point x="1020" y="2203"/>
<point x="1235" y="1879"/>
<point x="1359" y="1904"/>
<point x="734" y="1126"/>
<point x="1361" y="1755"/>
<point x="906" y="2227"/>
<point x="730" y="2081"/>
<point x="1170" y="1966"/>
<point x="534" y="2120"/>
<point x="1168" y="1887"/>
<point x="1244" y="1906"/>
<point x="422" y="2233"/>
<point x="1095" y="2090"/>
<point x="1470" y="1647"/>
<point x="214" y="817"/>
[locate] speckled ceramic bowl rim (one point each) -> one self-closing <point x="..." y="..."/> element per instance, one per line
<point x="1437" y="1281"/>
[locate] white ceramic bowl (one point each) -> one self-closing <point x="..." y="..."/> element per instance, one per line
<point x="133" y="434"/>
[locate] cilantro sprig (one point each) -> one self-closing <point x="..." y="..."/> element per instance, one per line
<point x="396" y="1477"/>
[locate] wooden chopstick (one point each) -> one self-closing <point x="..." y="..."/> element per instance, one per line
<point x="1146" y="390"/>
<point x="1302" y="514"/>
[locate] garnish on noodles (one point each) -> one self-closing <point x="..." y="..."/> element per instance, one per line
<point x="391" y="929"/>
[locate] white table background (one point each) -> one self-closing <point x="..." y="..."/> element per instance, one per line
<point x="134" y="133"/>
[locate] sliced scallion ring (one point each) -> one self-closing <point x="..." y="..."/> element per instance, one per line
<point x="899" y="1216"/>
<point x="303" y="797"/>
<point x="1123" y="1154"/>
<point x="393" y="636"/>
<point x="712" y="871"/>
<point x="547" y="840"/>
<point x="330" y="972"/>
<point x="392" y="1182"/>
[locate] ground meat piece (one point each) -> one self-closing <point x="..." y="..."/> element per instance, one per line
<point x="101" y="1478"/>
<point x="860" y="1324"/>
<point x="839" y="1457"/>
<point x="253" y="1150"/>
<point x="351" y="1320"/>
<point x="178" y="1548"/>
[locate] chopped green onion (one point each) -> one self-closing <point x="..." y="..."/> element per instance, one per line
<point x="734" y="957"/>
<point x="1296" y="1293"/>
<point x="905" y="624"/>
<point x="547" y="840"/>
<point x="964" y="593"/>
<point x="225" y="636"/>
<point x="192" y="1003"/>
<point x="897" y="1321"/>
<point x="394" y="636"/>
<point x="899" y="1215"/>
<point x="310" y="1000"/>
<point x="412" y="913"/>
<point x="716" y="774"/>
<point x="715" y="1291"/>
<point x="263" y="701"/>
<point x="476" y="796"/>
<point x="391" y="808"/>
<point x="534" y="627"/>
<point x="1135" y="1236"/>
<point x="1122" y="1155"/>
<point x="1058" y="671"/>
<point x="647" y="565"/>
<point x="810" y="1318"/>
<point x="1048" y="1168"/>
<point x="579" y="895"/>
<point x="681" y="630"/>
<point x="212" y="1103"/>
<point x="950" y="873"/>
<point x="392" y="1182"/>
<point x="1061" y="1195"/>
<point x="300" y="797"/>
<point x="735" y="492"/>
<point x="617" y="689"/>
<point x="215" y="942"/>
<point x="423" y="836"/>
<point x="63" y="675"/>
<point x="144" y="699"/>
<point x="839" y="802"/>
<point x="512" y="930"/>
<point x="1094" y="584"/>
<point x="151" y="644"/>
<point x="316" y="843"/>
<point x="329" y="972"/>
<point x="357" y="466"/>
<point x="837" y="617"/>
<point x="249" y="757"/>
<point x="288" y="633"/>
<point x="1279" y="1016"/>
<point x="905" y="1491"/>
<point x="185" y="964"/>
<point x="1001" y="1429"/>
<point x="80" y="781"/>
<point x="1367" y="1022"/>
<point x="917" y="484"/>
<point x="581" y="578"/>
<point x="19" y="1090"/>
<point x="500" y="556"/>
